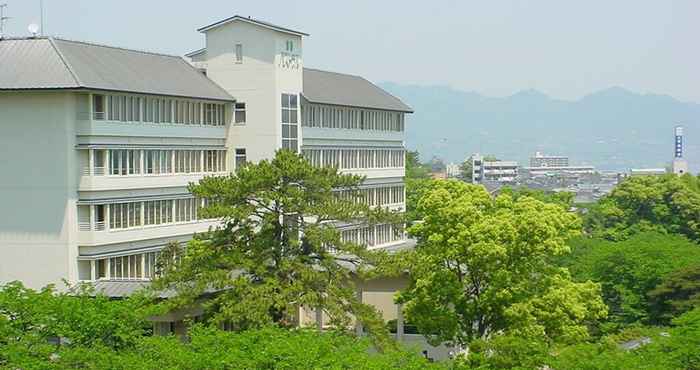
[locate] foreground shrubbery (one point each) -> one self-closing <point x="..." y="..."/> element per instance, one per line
<point x="268" y="348"/>
<point x="629" y="271"/>
<point x="50" y="330"/>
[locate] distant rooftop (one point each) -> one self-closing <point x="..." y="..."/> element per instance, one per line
<point x="254" y="21"/>
<point x="53" y="63"/>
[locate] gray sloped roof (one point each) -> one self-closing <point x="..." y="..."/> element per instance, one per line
<point x="254" y="21"/>
<point x="48" y="63"/>
<point x="341" y="89"/>
<point x="32" y="64"/>
<point x="123" y="288"/>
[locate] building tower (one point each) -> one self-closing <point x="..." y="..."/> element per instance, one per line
<point x="680" y="165"/>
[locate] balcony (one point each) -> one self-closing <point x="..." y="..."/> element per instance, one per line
<point x="376" y="173"/>
<point x="98" y="180"/>
<point x="94" y="234"/>
<point x="311" y="134"/>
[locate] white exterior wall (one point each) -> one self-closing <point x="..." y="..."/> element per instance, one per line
<point x="258" y="82"/>
<point x="44" y="141"/>
<point x="38" y="187"/>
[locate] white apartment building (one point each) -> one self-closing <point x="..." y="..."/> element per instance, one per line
<point x="501" y="172"/>
<point x="333" y="119"/>
<point x="99" y="144"/>
<point x="542" y="160"/>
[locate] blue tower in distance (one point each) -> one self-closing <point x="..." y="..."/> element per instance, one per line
<point x="679" y="142"/>
<point x="680" y="166"/>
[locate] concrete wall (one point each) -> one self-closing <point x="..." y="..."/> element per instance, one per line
<point x="258" y="82"/>
<point x="38" y="187"/>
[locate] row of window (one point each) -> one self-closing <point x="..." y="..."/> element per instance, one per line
<point x="372" y="236"/>
<point x="351" y="118"/>
<point x="130" y="108"/>
<point x="156" y="161"/>
<point x="134" y="267"/>
<point x="290" y="133"/>
<point x="355" y="158"/>
<point x="153" y="212"/>
<point x="375" y="196"/>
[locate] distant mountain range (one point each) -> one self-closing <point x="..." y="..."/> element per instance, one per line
<point x="612" y="129"/>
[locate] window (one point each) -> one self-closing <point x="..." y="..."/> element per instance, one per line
<point x="214" y="160"/>
<point x="239" y="53"/>
<point x="240" y="158"/>
<point x="158" y="212"/>
<point x="188" y="161"/>
<point x="124" y="215"/>
<point x="124" y="162"/>
<point x="157" y="161"/>
<point x="239" y="113"/>
<point x="290" y="134"/>
<point x="98" y="107"/>
<point x="140" y="266"/>
<point x="185" y="210"/>
<point x="290" y="46"/>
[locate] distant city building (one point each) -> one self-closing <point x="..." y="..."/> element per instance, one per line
<point x="493" y="171"/>
<point x="558" y="170"/>
<point x="647" y="171"/>
<point x="541" y="160"/>
<point x="452" y="170"/>
<point x="680" y="165"/>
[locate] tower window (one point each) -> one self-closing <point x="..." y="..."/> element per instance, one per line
<point x="239" y="53"/>
<point x="239" y="113"/>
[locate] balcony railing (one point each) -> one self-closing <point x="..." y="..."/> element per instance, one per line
<point x="86" y="226"/>
<point x="96" y="171"/>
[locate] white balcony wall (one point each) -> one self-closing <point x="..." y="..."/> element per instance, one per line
<point x="95" y="238"/>
<point x="130" y="182"/>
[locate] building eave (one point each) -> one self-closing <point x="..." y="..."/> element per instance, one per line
<point x="251" y="21"/>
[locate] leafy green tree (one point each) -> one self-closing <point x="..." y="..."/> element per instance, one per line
<point x="677" y="293"/>
<point x="629" y="270"/>
<point x="481" y="267"/>
<point x="648" y="203"/>
<point x="466" y="170"/>
<point x="414" y="168"/>
<point x="273" y="253"/>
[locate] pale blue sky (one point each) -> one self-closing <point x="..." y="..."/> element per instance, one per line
<point x="565" y="49"/>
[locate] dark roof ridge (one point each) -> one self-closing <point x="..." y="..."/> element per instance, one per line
<point x="65" y="62"/>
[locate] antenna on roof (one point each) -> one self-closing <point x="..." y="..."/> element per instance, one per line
<point x="41" y="11"/>
<point x="3" y="18"/>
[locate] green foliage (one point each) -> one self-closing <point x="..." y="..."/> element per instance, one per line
<point x="271" y="255"/>
<point x="481" y="267"/>
<point x="265" y="348"/>
<point x="416" y="189"/>
<point x="505" y="352"/>
<point x="76" y="315"/>
<point x="629" y="270"/>
<point x="648" y="203"/>
<point x="677" y="293"/>
<point x="414" y="168"/>
<point x="675" y="348"/>
<point x="29" y="319"/>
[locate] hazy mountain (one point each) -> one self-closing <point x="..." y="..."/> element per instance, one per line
<point x="612" y="129"/>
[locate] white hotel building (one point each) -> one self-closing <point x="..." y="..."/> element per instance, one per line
<point x="99" y="143"/>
